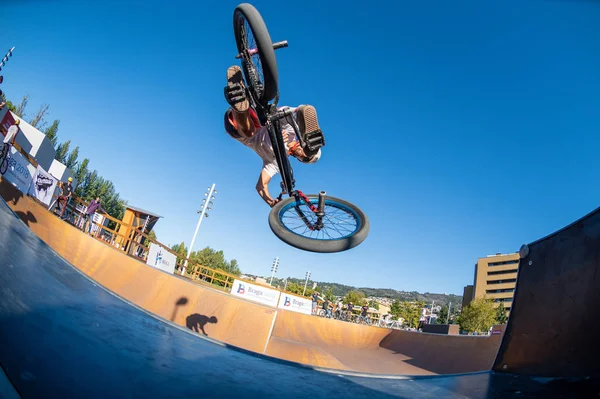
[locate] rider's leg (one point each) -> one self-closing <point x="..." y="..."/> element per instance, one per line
<point x="236" y="97"/>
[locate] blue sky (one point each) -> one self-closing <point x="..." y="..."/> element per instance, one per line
<point x="461" y="129"/>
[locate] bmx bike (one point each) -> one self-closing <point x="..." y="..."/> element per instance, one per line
<point x="4" y="158"/>
<point x="311" y="222"/>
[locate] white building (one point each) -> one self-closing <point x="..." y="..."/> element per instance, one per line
<point x="35" y="144"/>
<point x="31" y="140"/>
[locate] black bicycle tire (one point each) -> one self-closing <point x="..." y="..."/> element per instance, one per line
<point x="4" y="165"/>
<point x="320" y="246"/>
<point x="4" y="151"/>
<point x="265" y="49"/>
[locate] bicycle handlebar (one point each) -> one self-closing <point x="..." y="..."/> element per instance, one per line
<point x="278" y="45"/>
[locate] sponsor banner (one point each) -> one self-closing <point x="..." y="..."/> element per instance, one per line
<point x="161" y="259"/>
<point x="20" y="172"/>
<point x="256" y="293"/>
<point x="43" y="185"/>
<point x="295" y="303"/>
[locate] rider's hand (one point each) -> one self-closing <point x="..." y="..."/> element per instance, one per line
<point x="274" y="202"/>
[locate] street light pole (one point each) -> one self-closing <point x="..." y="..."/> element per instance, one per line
<point x="274" y="269"/>
<point x="306" y="282"/>
<point x="5" y="59"/>
<point x="206" y="206"/>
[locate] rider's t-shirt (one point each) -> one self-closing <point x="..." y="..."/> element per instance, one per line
<point x="260" y="142"/>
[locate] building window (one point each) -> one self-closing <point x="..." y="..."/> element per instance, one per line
<point x="502" y="272"/>
<point x="499" y="291"/>
<point x="508" y="262"/>
<point x="508" y="280"/>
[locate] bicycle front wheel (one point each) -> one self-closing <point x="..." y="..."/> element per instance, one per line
<point x="252" y="38"/>
<point x="344" y="225"/>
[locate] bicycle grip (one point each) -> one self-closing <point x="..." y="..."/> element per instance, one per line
<point x="280" y="44"/>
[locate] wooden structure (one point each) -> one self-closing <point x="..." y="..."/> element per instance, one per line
<point x="135" y="221"/>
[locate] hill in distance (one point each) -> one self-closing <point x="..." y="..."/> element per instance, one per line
<point x="340" y="290"/>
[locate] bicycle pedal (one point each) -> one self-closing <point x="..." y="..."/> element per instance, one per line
<point x="313" y="141"/>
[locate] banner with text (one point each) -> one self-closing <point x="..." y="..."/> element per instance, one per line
<point x="20" y="172"/>
<point x="161" y="259"/>
<point x="255" y="293"/>
<point x="43" y="185"/>
<point x="295" y="303"/>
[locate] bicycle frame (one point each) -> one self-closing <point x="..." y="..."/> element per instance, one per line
<point x="270" y="117"/>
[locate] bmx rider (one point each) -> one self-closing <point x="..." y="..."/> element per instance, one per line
<point x="242" y="124"/>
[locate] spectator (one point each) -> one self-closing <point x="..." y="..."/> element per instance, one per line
<point x="63" y="199"/>
<point x="315" y="302"/>
<point x="338" y="308"/>
<point x="89" y="214"/>
<point x="326" y="304"/>
<point x="364" y="313"/>
<point x="350" y="308"/>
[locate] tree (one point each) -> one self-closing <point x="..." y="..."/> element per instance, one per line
<point x="411" y="313"/>
<point x="294" y="288"/>
<point x="501" y="315"/>
<point x="19" y="110"/>
<point x="234" y="267"/>
<point x="442" y="316"/>
<point x="38" y="119"/>
<point x="52" y="133"/>
<point x="72" y="158"/>
<point x="181" y="251"/>
<point x="329" y="295"/>
<point x="80" y="174"/>
<point x="212" y="259"/>
<point x="395" y="309"/>
<point x="62" y="150"/>
<point x="373" y="303"/>
<point x="354" y="297"/>
<point x="478" y="316"/>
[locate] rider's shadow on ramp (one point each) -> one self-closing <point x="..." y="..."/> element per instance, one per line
<point x="196" y="322"/>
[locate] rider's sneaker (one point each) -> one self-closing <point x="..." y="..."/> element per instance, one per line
<point x="235" y="92"/>
<point x="306" y="115"/>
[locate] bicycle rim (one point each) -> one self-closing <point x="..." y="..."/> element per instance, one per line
<point x="340" y="221"/>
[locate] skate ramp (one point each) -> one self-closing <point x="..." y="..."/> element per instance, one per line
<point x="64" y="336"/>
<point x="553" y="329"/>
<point x="348" y="346"/>
<point x="559" y="340"/>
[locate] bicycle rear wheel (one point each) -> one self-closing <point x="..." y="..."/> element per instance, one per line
<point x="4" y="165"/>
<point x="344" y="225"/>
<point x="4" y="158"/>
<point x="259" y="69"/>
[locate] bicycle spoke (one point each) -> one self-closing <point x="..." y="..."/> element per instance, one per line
<point x="337" y="222"/>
